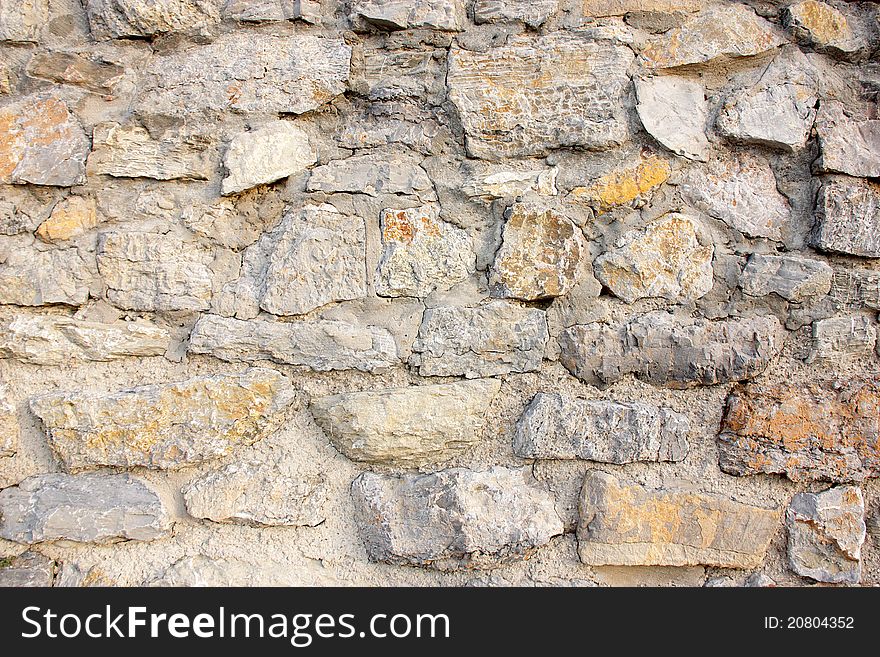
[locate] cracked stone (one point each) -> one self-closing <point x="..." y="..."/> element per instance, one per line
<point x="839" y="339"/>
<point x="533" y="13"/>
<point x="792" y="277"/>
<point x="625" y="185"/>
<point x="849" y="145"/>
<point x="22" y="21"/>
<point x="96" y="76"/>
<point x="38" y="278"/>
<point x="405" y="14"/>
<point x="372" y="174"/>
<point x="821" y="25"/>
<point x="490" y="181"/>
<point x="673" y="110"/>
<point x="28" y="569"/>
<point x="114" y="19"/>
<point x="848" y="217"/>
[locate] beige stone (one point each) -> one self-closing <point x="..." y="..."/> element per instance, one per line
<point x="70" y="218"/>
<point x="624" y="185"/>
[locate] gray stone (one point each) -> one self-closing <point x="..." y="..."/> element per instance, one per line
<point x="454" y="518"/>
<point x="260" y="11"/>
<point x="855" y="288"/>
<point x="849" y="145"/>
<point x="114" y="19"/>
<point x="318" y="255"/>
<point x="408" y="426"/>
<point x="421" y="253"/>
<point x="130" y="152"/>
<point x="848" y="217"/>
<point x="94" y="75"/>
<point x="490" y="181"/>
<point x="155" y="271"/>
<point x="59" y="339"/>
<point x="274" y="151"/>
<point x="824" y="27"/>
<point x="840" y="338"/>
<point x="677" y="352"/>
<point x="740" y="191"/>
<point x="495" y="338"/>
<point x="825" y="534"/>
<point x="382" y="124"/>
<point x="792" y="277"/>
<point x="230" y="223"/>
<point x="9" y="430"/>
<point x="673" y="110"/>
<point x="165" y="426"/>
<point x="372" y="174"/>
<point x="625" y="524"/>
<point x="533" y="13"/>
<point x="556" y="426"/>
<point x="387" y="74"/>
<point x="87" y="508"/>
<point x="403" y="14"/>
<point x="37" y="278"/>
<point x="291" y="74"/>
<point x="318" y="345"/>
<point x="22" y="21"/>
<point x="510" y="106"/>
<point x="665" y="259"/>
<point x="28" y="569"/>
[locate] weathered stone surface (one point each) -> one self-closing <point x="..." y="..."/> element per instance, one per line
<point x="421" y="253"/>
<point x="624" y="185"/>
<point x="811" y="431"/>
<point x="600" y="8"/>
<point x="130" y="152"/>
<point x="848" y="217"/>
<point x="8" y="424"/>
<point x="740" y="191"/>
<point x="165" y="426"/>
<point x="70" y="218"/>
<point x="674" y="111"/>
<point x="779" y="110"/>
<point x="113" y="19"/>
<point x="660" y="349"/>
<point x="491" y="181"/>
<point x="22" y="21"/>
<point x="41" y="143"/>
<point x="821" y="25"/>
<point x="154" y="271"/>
<point x="38" y="278"/>
<point x="319" y="345"/>
<point x="318" y="257"/>
<point x="371" y="174"/>
<point x="849" y="145"/>
<point x="792" y="277"/>
<point x="531" y="12"/>
<point x="381" y="124"/>
<point x="454" y="518"/>
<point x="825" y="534"/>
<point x="7" y="78"/>
<point x="28" y="569"/>
<point x="260" y="11"/>
<point x="387" y="74"/>
<point x="840" y="338"/>
<point x="403" y="14"/>
<point x="237" y="72"/>
<point x="539" y="256"/>
<point x="407" y="426"/>
<point x="556" y="426"/>
<point x="264" y="492"/>
<point x="495" y="338"/>
<point x="510" y="106"/>
<point x="274" y="151"/>
<point x="855" y="288"/>
<point x="229" y="222"/>
<point x="67" y="68"/>
<point x="58" y="339"/>
<point x="665" y="259"/>
<point x="720" y="31"/>
<point x="87" y="508"/>
<point x="625" y="524"/>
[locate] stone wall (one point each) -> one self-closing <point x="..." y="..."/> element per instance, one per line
<point x="439" y="292"/>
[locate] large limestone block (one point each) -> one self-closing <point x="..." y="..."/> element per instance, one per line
<point x="114" y="19"/>
<point x="792" y="277"/>
<point x="849" y="144"/>
<point x="38" y="278"/>
<point x="272" y="152"/>
<point x="673" y="110"/>
<point x="848" y="217"/>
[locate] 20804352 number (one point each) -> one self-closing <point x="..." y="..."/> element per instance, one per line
<point x="820" y="622"/>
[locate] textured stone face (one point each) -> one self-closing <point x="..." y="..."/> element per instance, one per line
<point x="41" y="143"/>
<point x="720" y="31"/>
<point x="556" y="426"/>
<point x="676" y="352"/>
<point x="318" y="345"/>
<point x="88" y="508"/>
<point x="407" y="426"/>
<point x="807" y="432"/>
<point x="58" y="339"/>
<point x="848" y="217"/>
<point x="403" y="14"/>
<point x="792" y="277"/>
<point x="113" y="19"/>
<point x="165" y="426"/>
<point x="277" y="150"/>
<point x="28" y="569"/>
<point x="825" y="534"/>
<point x="663" y="260"/>
<point x="855" y="288"/>
<point x="97" y="76"/>
<point x="540" y="254"/>
<point x="510" y="104"/>
<point x="8" y="424"/>
<point x="531" y="12"/>
<point x="741" y="192"/>
<point x="261" y="492"/>
<point x="453" y="518"/>
<point x="624" y="185"/>
<point x="371" y="174"/>
<point x="843" y="338"/>
<point x="495" y="338"/>
<point x="849" y="145"/>
<point x="821" y="25"/>
<point x="22" y="21"/>
<point x="153" y="271"/>
<point x="421" y="253"/>
<point x="70" y="218"/>
<point x="673" y="110"/>
<point x="239" y="73"/>
<point x="625" y="524"/>
<point x="38" y="278"/>
<point x="130" y="152"/>
<point x="599" y="8"/>
<point x="491" y="181"/>
<point x="318" y="256"/>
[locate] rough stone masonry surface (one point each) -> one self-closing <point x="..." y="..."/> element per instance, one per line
<point x="439" y="292"/>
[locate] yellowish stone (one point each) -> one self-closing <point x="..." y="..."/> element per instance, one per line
<point x="624" y="185"/>
<point x="71" y="218"/>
